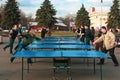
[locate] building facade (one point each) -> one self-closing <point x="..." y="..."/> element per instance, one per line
<point x="97" y="19"/>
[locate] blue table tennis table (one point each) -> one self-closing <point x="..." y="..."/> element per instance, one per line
<point x="59" y="54"/>
<point x="62" y="47"/>
<point x="61" y="37"/>
<point x="73" y="45"/>
<point x="67" y="42"/>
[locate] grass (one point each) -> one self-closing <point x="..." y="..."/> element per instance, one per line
<point x="60" y="33"/>
<point x="55" y="33"/>
<point x="63" y="33"/>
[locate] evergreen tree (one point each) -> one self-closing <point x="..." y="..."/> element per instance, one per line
<point x="45" y="16"/>
<point x="1" y="16"/>
<point x="11" y="13"/>
<point x="82" y="17"/>
<point x="114" y="16"/>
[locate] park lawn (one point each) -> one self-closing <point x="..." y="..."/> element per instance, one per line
<point x="63" y="33"/>
<point x="60" y="33"/>
<point x="54" y="33"/>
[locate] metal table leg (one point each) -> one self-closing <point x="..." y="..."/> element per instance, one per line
<point x="28" y="67"/>
<point x="94" y="66"/>
<point x="101" y="72"/>
<point x="22" y="69"/>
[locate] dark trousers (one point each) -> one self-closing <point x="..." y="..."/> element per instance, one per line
<point x="20" y="47"/>
<point x="92" y="38"/>
<point x="19" y="41"/>
<point x="111" y="53"/>
<point x="99" y="46"/>
<point x="10" y="44"/>
<point x="78" y="36"/>
<point x="82" y="39"/>
<point x="87" y="40"/>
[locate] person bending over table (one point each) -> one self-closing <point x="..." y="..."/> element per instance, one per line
<point x="108" y="39"/>
<point x="27" y="39"/>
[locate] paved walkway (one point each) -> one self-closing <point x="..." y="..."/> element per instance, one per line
<point x="41" y="70"/>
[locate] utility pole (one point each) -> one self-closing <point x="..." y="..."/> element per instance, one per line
<point x="0" y="5"/>
<point x="0" y="12"/>
<point x="101" y="13"/>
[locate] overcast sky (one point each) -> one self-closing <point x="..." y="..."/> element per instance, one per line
<point x="63" y="7"/>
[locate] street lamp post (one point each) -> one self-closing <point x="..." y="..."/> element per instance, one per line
<point x="0" y="12"/>
<point x="101" y="13"/>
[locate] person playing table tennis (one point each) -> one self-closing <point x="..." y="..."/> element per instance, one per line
<point x="108" y="39"/>
<point x="27" y="39"/>
<point x="87" y="35"/>
<point x="12" y="36"/>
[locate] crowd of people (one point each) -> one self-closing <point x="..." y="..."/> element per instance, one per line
<point x="85" y="34"/>
<point x="23" y="39"/>
<point x="104" y="41"/>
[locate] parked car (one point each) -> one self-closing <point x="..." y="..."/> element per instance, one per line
<point x="1" y="29"/>
<point x="24" y="29"/>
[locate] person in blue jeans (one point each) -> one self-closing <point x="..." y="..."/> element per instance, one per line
<point x="19" y="35"/>
<point x="12" y="36"/>
<point x="27" y="39"/>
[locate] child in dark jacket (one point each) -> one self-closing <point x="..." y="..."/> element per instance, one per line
<point x="27" y="39"/>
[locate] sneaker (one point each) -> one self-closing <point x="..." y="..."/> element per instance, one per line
<point x="116" y="65"/>
<point x="11" y="52"/>
<point x="100" y="63"/>
<point x="4" y="49"/>
<point x="12" y="59"/>
<point x="29" y="61"/>
<point x="15" y="48"/>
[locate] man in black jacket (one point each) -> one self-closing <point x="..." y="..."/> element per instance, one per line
<point x="92" y="34"/>
<point x="87" y="35"/>
<point x="43" y="32"/>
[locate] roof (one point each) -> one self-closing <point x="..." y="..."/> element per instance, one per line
<point x="60" y="23"/>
